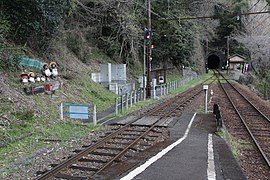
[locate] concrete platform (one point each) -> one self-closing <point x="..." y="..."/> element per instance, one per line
<point x="196" y="154"/>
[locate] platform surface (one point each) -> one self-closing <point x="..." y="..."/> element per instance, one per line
<point x="190" y="159"/>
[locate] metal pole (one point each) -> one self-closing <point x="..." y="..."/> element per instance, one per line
<point x="95" y="115"/>
<point x="228" y="53"/>
<point x="61" y="112"/>
<point x="205" y="87"/>
<point x="127" y="100"/>
<point x="206" y="100"/>
<point x="116" y="105"/>
<point x="154" y="82"/>
<point x="131" y="98"/>
<point x="148" y="83"/>
<point x="144" y="70"/>
<point x="122" y="103"/>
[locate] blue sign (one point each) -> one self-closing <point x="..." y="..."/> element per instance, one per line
<point x="78" y="112"/>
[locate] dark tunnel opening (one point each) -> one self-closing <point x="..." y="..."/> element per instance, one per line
<point x="213" y="62"/>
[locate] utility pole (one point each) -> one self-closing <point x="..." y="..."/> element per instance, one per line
<point x="144" y="69"/>
<point x="148" y="51"/>
<point x="228" y="47"/>
<point x="228" y="53"/>
<point x="206" y="54"/>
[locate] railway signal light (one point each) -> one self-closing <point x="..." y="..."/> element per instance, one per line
<point x="147" y="36"/>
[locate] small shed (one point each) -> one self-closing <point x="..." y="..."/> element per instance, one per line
<point x="235" y="61"/>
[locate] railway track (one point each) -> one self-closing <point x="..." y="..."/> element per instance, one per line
<point x="173" y="103"/>
<point x="256" y="123"/>
<point x="122" y="142"/>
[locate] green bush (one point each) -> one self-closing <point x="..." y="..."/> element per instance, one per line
<point x="35" y="21"/>
<point x="27" y="116"/>
<point x="74" y="43"/>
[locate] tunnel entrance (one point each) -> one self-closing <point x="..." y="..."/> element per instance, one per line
<point x="213" y="61"/>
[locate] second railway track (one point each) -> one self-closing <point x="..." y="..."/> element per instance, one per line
<point x="256" y="123"/>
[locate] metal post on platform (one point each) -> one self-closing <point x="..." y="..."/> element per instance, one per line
<point x="205" y="87"/>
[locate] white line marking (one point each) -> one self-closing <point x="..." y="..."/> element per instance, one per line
<point x="211" y="174"/>
<point x="107" y="121"/>
<point x="150" y="161"/>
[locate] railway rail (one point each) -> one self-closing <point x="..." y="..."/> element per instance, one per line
<point x="96" y="158"/>
<point x="256" y="123"/>
<point x="172" y="103"/>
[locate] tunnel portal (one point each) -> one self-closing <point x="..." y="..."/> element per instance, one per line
<point x="213" y="61"/>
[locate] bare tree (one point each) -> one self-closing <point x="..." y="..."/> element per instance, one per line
<point x="206" y="8"/>
<point x="111" y="24"/>
<point x="256" y="39"/>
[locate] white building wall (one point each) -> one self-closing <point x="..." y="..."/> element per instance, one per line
<point x="105" y="73"/>
<point x="95" y="77"/>
<point x="118" y="72"/>
<point x="113" y="87"/>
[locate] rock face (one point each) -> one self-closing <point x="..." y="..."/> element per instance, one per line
<point x="246" y="79"/>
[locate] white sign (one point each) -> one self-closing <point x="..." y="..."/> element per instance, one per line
<point x="205" y="87"/>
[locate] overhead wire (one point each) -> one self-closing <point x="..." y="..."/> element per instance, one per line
<point x="258" y="14"/>
<point x="170" y="21"/>
<point x="255" y="4"/>
<point x="259" y="19"/>
<point x="260" y="23"/>
<point x="213" y="17"/>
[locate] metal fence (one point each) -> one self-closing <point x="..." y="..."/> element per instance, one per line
<point x="127" y="100"/>
<point x="78" y="111"/>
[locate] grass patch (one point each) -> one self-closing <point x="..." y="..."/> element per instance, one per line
<point x="5" y="107"/>
<point x="99" y="95"/>
<point x="64" y="131"/>
<point x="23" y="127"/>
<point x="221" y="133"/>
<point x="67" y="129"/>
<point x="89" y="92"/>
<point x="236" y="144"/>
<point x="200" y="110"/>
<point x="173" y="75"/>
